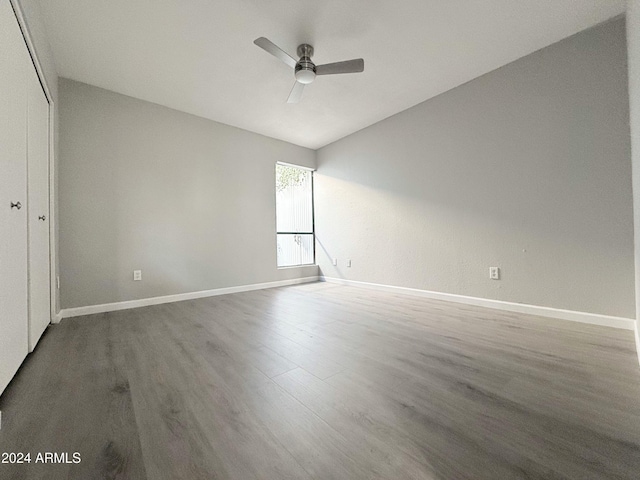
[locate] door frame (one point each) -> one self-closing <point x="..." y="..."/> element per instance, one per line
<point x="53" y="273"/>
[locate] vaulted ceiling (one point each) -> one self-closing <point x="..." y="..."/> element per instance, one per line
<point x="198" y="56"/>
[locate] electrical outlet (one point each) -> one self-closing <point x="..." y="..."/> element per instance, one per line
<point x="137" y="275"/>
<point x="335" y="262"/>
<point x="494" y="273"/>
<point x="349" y="263"/>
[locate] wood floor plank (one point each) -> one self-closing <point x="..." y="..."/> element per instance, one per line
<point x="357" y="422"/>
<point x="207" y="377"/>
<point x="80" y="402"/>
<point x="320" y="449"/>
<point x="322" y="381"/>
<point x="510" y="433"/>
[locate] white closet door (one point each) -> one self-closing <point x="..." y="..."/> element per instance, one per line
<point x="14" y="62"/>
<point x="38" y="218"/>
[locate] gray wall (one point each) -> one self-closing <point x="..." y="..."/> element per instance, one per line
<point x="526" y="168"/>
<point x="633" y="53"/>
<point x="188" y="201"/>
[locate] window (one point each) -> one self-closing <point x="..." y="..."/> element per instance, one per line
<point x="294" y="216"/>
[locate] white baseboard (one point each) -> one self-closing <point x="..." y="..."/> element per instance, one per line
<point x="144" y="302"/>
<point x="584" y="317"/>
<point x="574" y="316"/>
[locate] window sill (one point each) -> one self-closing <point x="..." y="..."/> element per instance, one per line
<point x="298" y="266"/>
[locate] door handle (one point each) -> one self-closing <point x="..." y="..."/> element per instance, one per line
<point x="43" y="218"/>
<point x="17" y="205"/>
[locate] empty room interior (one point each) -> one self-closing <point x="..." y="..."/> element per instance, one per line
<point x="345" y="239"/>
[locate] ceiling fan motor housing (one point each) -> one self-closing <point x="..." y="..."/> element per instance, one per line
<point x="305" y="70"/>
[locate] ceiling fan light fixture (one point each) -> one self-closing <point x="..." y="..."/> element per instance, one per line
<point x="305" y="76"/>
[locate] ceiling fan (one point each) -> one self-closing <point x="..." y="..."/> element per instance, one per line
<point x="304" y="69"/>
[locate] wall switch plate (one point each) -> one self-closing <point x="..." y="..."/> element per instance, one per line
<point x="58" y="282"/>
<point x="349" y="263"/>
<point x="494" y="273"/>
<point x="335" y="262"/>
<point x="137" y="275"/>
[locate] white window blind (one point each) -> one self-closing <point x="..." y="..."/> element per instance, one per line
<point x="294" y="216"/>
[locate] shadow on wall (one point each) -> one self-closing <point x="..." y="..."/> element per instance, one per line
<point x="337" y="272"/>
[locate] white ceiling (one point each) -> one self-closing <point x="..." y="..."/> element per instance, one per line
<point x="198" y="56"/>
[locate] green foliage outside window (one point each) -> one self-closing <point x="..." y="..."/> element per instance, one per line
<point x="289" y="177"/>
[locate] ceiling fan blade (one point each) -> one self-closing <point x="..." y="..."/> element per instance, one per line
<point x="296" y="93"/>
<point x="348" y="66"/>
<point x="276" y="51"/>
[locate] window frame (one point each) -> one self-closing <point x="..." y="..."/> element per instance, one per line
<point x="313" y="218"/>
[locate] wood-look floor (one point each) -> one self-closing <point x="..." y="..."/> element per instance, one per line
<point x="321" y="381"/>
